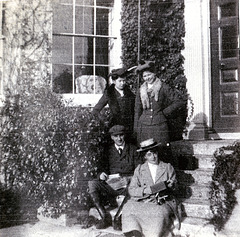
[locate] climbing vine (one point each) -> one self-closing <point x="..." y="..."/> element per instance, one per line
<point x="161" y="39"/>
<point x="226" y="179"/>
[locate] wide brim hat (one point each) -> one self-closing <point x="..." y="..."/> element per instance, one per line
<point x="117" y="130"/>
<point x="145" y="65"/>
<point x="148" y="144"/>
<point x="119" y="72"/>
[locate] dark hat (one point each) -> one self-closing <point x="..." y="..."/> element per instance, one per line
<point x="145" y="65"/>
<point x="117" y="130"/>
<point x="148" y="145"/>
<point x="120" y="72"/>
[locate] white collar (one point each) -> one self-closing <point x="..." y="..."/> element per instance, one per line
<point x="121" y="92"/>
<point x="117" y="147"/>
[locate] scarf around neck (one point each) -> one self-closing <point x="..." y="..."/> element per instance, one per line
<point x="154" y="91"/>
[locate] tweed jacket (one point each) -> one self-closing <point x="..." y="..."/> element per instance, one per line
<point x="124" y="164"/>
<point x="166" y="107"/>
<point x="142" y="178"/>
<point x="121" y="108"/>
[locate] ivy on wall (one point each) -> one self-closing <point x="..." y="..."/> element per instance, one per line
<point x="226" y="180"/>
<point x="161" y="40"/>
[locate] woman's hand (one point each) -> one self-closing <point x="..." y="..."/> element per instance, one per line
<point x="103" y="176"/>
<point x="170" y="183"/>
<point x="147" y="190"/>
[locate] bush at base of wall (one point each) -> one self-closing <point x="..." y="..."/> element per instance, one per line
<point x="49" y="151"/>
<point x="226" y="180"/>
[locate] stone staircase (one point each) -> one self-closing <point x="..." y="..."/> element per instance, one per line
<point x="193" y="161"/>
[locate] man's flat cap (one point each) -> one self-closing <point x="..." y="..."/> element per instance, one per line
<point x="117" y="130"/>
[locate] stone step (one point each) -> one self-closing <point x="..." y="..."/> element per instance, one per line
<point x="197" y="208"/>
<point x="198" y="176"/>
<point x="195" y="227"/>
<point x="193" y="191"/>
<point x="191" y="162"/>
<point x="187" y="147"/>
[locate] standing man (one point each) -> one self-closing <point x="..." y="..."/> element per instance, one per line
<point x="120" y="99"/>
<point x="120" y="158"/>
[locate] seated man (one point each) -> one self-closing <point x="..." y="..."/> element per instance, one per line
<point x="120" y="158"/>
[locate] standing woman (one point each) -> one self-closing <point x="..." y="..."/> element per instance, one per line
<point x="155" y="103"/>
<point x="120" y="100"/>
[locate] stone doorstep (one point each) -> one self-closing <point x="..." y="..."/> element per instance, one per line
<point x="195" y="227"/>
<point x="201" y="176"/>
<point x="197" y="208"/>
<point x="206" y="147"/>
<point x="193" y="162"/>
<point x="193" y="191"/>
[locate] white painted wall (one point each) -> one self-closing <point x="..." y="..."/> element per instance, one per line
<point x="116" y="44"/>
<point x="197" y="55"/>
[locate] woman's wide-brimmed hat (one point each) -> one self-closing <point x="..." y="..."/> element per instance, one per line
<point x="145" y="65"/>
<point x="148" y="145"/>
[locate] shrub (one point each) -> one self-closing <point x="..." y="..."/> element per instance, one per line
<point x="226" y="179"/>
<point x="50" y="150"/>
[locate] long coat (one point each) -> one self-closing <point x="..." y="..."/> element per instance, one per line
<point x="121" y="107"/>
<point x="141" y="212"/>
<point x="152" y="122"/>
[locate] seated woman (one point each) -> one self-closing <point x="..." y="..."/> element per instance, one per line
<point x="152" y="206"/>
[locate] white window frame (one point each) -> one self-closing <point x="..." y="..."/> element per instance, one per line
<point x="1" y="52"/>
<point x="91" y="99"/>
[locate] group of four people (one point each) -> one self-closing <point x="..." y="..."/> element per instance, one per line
<point x="151" y="205"/>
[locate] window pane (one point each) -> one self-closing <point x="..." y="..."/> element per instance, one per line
<point x="66" y="1"/>
<point x="84" y="80"/>
<point x="102" y="51"/>
<point x="229" y="41"/>
<point x="84" y="20"/>
<point x="105" y="3"/>
<point x="228" y="10"/>
<point x="62" y="49"/>
<point x="85" y="2"/>
<point x="62" y="19"/>
<point x="229" y="75"/>
<point x="103" y="72"/>
<point x="62" y="79"/>
<point x="229" y="103"/>
<point x="81" y="50"/>
<point x="102" y="22"/>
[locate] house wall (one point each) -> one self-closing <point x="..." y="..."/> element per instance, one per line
<point x="27" y="44"/>
<point x="197" y="59"/>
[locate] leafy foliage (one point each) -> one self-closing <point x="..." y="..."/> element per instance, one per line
<point x="50" y="150"/>
<point x="226" y="179"/>
<point x="161" y="40"/>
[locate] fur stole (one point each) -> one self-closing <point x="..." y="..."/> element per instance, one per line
<point x="154" y="90"/>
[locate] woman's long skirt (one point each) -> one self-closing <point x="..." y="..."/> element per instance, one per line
<point x="151" y="219"/>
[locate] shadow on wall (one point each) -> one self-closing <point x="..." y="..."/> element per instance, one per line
<point x="199" y="130"/>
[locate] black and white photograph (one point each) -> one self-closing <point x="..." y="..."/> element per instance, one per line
<point x="119" y="118"/>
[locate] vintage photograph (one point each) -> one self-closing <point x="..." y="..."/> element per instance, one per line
<point x="119" y="118"/>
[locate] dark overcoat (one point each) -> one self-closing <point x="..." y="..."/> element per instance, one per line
<point x="152" y="122"/>
<point x="121" y="107"/>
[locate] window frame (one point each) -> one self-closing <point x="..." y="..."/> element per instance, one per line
<point x="78" y="98"/>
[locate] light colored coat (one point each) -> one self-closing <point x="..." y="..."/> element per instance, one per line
<point x="141" y="212"/>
